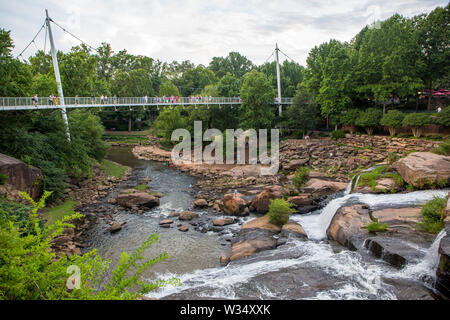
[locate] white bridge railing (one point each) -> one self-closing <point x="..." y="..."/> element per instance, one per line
<point x="27" y="103"/>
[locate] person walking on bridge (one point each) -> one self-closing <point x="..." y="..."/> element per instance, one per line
<point x="50" y="99"/>
<point x="35" y="100"/>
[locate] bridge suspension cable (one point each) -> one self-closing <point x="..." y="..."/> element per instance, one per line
<point x="32" y="41"/>
<point x="70" y="33"/>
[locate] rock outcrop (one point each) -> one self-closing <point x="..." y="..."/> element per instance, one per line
<point x="132" y="198"/>
<point x="233" y="204"/>
<point x="443" y="270"/>
<point x="424" y="169"/>
<point x="324" y="187"/>
<point x="261" y="202"/>
<point x="20" y="175"/>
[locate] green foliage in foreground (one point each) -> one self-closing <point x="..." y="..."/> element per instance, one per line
<point x="301" y="176"/>
<point x="29" y="271"/>
<point x="279" y="211"/>
<point x="376" y="227"/>
<point x="433" y="214"/>
<point x="112" y="169"/>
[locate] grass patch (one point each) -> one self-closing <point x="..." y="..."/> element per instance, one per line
<point x="443" y="149"/>
<point x="141" y="187"/>
<point x="374" y="227"/>
<point x="58" y="212"/>
<point x="370" y="178"/>
<point x="433" y="215"/>
<point x="112" y="169"/>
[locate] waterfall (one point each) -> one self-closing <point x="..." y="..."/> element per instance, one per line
<point x="428" y="266"/>
<point x="316" y="225"/>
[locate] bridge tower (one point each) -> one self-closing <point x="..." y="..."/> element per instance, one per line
<point x="278" y="79"/>
<point x="57" y="76"/>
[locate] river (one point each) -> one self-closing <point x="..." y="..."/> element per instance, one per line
<point x="311" y="269"/>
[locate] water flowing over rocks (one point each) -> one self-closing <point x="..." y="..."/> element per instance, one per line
<point x="424" y="169"/>
<point x="443" y="269"/>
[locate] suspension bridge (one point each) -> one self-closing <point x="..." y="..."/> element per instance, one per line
<point x="61" y="102"/>
<point x="27" y="103"/>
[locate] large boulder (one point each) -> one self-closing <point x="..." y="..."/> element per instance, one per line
<point x="261" y="202"/>
<point x="394" y="251"/>
<point x="424" y="169"/>
<point x="200" y="203"/>
<point x="233" y="204"/>
<point x="293" y="228"/>
<point x="324" y="187"/>
<point x="346" y="225"/>
<point x="187" y="215"/>
<point x="132" y="198"/>
<point x="261" y="223"/>
<point x="20" y="175"/>
<point x="304" y="202"/>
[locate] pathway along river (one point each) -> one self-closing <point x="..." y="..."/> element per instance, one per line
<point x="311" y="269"/>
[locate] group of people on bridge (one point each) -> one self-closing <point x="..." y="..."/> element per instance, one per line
<point x="103" y="99"/>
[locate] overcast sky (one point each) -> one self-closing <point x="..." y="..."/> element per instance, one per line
<point x="199" y="30"/>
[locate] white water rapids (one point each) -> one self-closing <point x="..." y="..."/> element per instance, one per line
<point x="352" y="277"/>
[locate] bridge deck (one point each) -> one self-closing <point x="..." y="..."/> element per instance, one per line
<point x="25" y="103"/>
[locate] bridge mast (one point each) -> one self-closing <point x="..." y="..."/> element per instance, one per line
<point x="57" y="76"/>
<point x="278" y="79"/>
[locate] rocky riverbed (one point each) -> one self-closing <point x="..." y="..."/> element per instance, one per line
<point x="254" y="255"/>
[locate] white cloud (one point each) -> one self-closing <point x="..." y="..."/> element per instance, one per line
<point x="198" y="30"/>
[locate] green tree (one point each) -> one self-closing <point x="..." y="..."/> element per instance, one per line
<point x="327" y="77"/>
<point x="235" y="64"/>
<point x="369" y="119"/>
<point x="350" y="118"/>
<point x="393" y="119"/>
<point x="443" y="117"/>
<point x="433" y="34"/>
<point x="304" y="113"/>
<point x="257" y="95"/>
<point x="416" y="121"/>
<point x="167" y="88"/>
<point x="168" y="120"/>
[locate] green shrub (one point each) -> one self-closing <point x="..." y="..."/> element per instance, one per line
<point x="369" y="119"/>
<point x="443" y="117"/>
<point x="29" y="270"/>
<point x="416" y="121"/>
<point x="301" y="176"/>
<point x="374" y="227"/>
<point x="141" y="187"/>
<point x="279" y="211"/>
<point x="338" y="134"/>
<point x="432" y="214"/>
<point x="3" y="178"/>
<point x="392" y="119"/>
